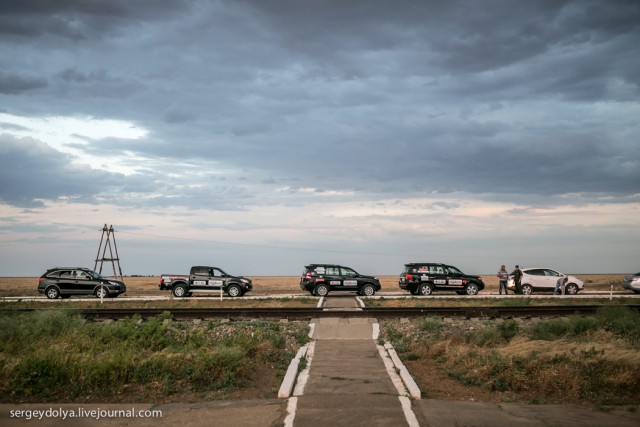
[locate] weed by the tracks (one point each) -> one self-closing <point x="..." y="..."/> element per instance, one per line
<point x="573" y="359"/>
<point x="54" y="355"/>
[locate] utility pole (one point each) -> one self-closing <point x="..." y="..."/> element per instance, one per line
<point x="108" y="234"/>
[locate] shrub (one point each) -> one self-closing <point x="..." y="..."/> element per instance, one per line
<point x="621" y="321"/>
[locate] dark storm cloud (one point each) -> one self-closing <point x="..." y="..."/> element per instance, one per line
<point x="496" y="97"/>
<point x="77" y="19"/>
<point x="13" y="84"/>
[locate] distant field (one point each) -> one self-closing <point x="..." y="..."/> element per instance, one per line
<point x="269" y="285"/>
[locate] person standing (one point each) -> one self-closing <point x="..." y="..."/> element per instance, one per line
<point x="562" y="280"/>
<point x="503" y="276"/>
<point x="517" y="280"/>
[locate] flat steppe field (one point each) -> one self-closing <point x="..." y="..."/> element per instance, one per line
<point x="278" y="285"/>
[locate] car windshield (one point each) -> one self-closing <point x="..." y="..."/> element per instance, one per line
<point x="94" y="275"/>
<point x="453" y="270"/>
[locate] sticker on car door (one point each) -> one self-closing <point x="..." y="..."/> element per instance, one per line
<point x="457" y="282"/>
<point x="350" y="283"/>
<point x="215" y="282"/>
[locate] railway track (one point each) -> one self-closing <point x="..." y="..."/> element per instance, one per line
<point x="311" y="313"/>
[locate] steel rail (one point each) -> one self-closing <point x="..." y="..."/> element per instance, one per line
<point x="306" y="313"/>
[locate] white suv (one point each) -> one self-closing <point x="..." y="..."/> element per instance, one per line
<point x="544" y="279"/>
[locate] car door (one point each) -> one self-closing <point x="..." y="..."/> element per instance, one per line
<point x="65" y="281"/>
<point x="454" y="278"/>
<point x="332" y="277"/>
<point x="199" y="279"/>
<point x="218" y="279"/>
<point x="533" y="277"/>
<point x="349" y="278"/>
<point x="438" y="276"/>
<point x="550" y="278"/>
<point x="84" y="283"/>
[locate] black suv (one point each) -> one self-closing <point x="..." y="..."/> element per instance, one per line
<point x="422" y="278"/>
<point x="66" y="281"/>
<point x="320" y="279"/>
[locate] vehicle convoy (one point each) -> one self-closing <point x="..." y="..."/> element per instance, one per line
<point x="320" y="279"/>
<point x="205" y="279"/>
<point x="423" y="278"/>
<point x="632" y="282"/>
<point x="545" y="279"/>
<point x="62" y="282"/>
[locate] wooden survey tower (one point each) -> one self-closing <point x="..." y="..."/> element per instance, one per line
<point x="106" y="245"/>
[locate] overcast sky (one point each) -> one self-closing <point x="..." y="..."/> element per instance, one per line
<point x="260" y="136"/>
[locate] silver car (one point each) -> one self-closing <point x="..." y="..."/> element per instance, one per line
<point x="632" y="282"/>
<point x="545" y="279"/>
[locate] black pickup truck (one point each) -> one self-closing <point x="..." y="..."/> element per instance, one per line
<point x="205" y="279"/>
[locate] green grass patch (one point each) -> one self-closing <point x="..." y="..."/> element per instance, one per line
<point x="55" y="355"/>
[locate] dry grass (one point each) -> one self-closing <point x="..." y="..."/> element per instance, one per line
<point x="510" y="362"/>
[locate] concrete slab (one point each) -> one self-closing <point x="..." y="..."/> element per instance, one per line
<point x="334" y="328"/>
<point x="239" y="413"/>
<point x="349" y="410"/>
<point x="444" y="413"/>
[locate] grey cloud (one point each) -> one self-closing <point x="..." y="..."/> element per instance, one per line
<point x="13" y="84"/>
<point x="31" y="171"/>
<point x="371" y="96"/>
<point x="78" y="19"/>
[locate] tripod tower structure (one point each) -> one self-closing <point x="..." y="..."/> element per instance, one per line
<point x="108" y="235"/>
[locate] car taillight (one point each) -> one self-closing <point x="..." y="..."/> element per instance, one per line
<point x="308" y="276"/>
<point x="409" y="277"/>
<point x="41" y="279"/>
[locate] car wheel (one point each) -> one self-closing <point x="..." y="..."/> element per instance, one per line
<point x="101" y="292"/>
<point x="527" y="289"/>
<point x="52" y="292"/>
<point x="234" y="291"/>
<point x="368" y="290"/>
<point x="425" y="289"/>
<point x="179" y="291"/>
<point x="471" y="289"/>
<point x="321" y="290"/>
<point x="571" y="289"/>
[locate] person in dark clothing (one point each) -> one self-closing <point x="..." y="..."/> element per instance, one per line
<point x="517" y="280"/>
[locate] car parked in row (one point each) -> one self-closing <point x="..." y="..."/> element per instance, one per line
<point x="544" y="280"/>
<point x="63" y="282"/>
<point x="632" y="282"/>
<point x="320" y="279"/>
<point x="424" y="278"/>
<point x="205" y="280"/>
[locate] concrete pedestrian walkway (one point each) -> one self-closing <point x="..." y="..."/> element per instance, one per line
<point x="348" y="383"/>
